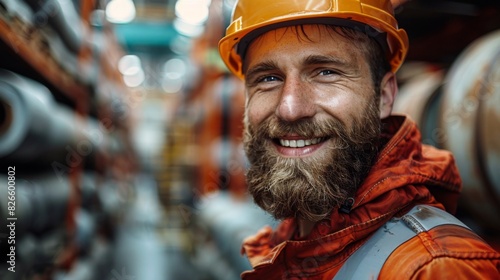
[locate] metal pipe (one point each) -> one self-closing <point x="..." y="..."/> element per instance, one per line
<point x="63" y="18"/>
<point x="41" y="203"/>
<point x="420" y="97"/>
<point x="460" y="112"/>
<point x="230" y="220"/>
<point x="34" y="128"/>
<point x="470" y="120"/>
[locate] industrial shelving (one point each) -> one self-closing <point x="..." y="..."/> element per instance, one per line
<point x="94" y="164"/>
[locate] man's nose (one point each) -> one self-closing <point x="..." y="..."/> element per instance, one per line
<point x="296" y="101"/>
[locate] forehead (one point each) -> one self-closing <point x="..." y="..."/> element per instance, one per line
<point x="294" y="40"/>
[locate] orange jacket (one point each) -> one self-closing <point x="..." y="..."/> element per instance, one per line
<point x="405" y="173"/>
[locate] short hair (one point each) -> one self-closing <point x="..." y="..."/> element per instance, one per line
<point x="375" y="53"/>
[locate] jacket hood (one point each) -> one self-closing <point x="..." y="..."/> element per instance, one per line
<point x="405" y="161"/>
<point x="405" y="173"/>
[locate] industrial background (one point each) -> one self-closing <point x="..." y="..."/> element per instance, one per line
<point x="121" y="131"/>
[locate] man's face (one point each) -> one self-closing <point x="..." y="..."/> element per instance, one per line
<point x="312" y="121"/>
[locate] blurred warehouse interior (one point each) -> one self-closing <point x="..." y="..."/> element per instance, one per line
<point x="124" y="129"/>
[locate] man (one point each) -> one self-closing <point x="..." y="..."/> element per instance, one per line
<point x="326" y="155"/>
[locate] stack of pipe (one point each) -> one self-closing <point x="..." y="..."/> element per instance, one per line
<point x="63" y="18"/>
<point x="41" y="203"/>
<point x="34" y="128"/>
<point x="41" y="212"/>
<point x="64" y="32"/>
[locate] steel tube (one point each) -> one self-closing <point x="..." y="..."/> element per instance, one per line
<point x="34" y="128"/>
<point x="470" y="118"/>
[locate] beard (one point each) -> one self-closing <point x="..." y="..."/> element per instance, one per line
<point x="310" y="187"/>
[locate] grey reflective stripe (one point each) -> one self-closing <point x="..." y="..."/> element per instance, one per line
<point x="368" y="260"/>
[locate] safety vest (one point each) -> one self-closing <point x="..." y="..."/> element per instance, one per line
<point x="368" y="260"/>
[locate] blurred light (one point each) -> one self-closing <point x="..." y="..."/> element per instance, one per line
<point x="134" y="79"/>
<point x="131" y="69"/>
<point x="172" y="85"/>
<point x="120" y="11"/>
<point x="175" y="68"/>
<point x="174" y="72"/>
<point x="187" y="29"/>
<point x="129" y="64"/>
<point x="181" y="45"/>
<point x="194" y="12"/>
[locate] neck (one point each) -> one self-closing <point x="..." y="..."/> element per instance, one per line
<point x="305" y="227"/>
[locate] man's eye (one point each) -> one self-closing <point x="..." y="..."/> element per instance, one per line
<point x="326" y="72"/>
<point x="268" y="79"/>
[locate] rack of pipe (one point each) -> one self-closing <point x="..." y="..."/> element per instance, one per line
<point x="34" y="128"/>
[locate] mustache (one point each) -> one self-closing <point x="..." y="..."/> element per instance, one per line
<point x="274" y="128"/>
<point x="308" y="128"/>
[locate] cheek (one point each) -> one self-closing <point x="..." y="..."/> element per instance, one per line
<point x="343" y="106"/>
<point x="259" y="109"/>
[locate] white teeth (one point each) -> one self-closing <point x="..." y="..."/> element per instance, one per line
<point x="299" y="143"/>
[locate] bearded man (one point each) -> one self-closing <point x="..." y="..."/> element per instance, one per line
<point x="329" y="159"/>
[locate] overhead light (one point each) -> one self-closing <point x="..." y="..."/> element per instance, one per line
<point x="129" y="64"/>
<point x="186" y="29"/>
<point x="131" y="69"/>
<point x="174" y="72"/>
<point x="194" y="12"/>
<point x="134" y="79"/>
<point x="120" y="11"/>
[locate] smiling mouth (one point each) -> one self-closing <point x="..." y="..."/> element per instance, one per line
<point x="299" y="143"/>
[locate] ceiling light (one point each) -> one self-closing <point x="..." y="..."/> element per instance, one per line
<point x="193" y="12"/>
<point x="120" y="11"/>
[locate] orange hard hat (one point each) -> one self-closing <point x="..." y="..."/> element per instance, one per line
<point x="251" y="18"/>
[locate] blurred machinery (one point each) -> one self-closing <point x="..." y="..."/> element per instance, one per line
<point x="470" y="125"/>
<point x="458" y="109"/>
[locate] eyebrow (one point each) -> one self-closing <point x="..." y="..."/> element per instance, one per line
<point x="326" y="59"/>
<point x="260" y="67"/>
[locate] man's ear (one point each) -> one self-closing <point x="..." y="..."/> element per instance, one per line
<point x="388" y="91"/>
